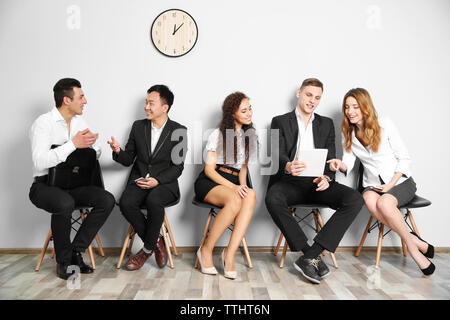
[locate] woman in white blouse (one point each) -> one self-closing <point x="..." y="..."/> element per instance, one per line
<point x="387" y="176"/>
<point x="223" y="182"/>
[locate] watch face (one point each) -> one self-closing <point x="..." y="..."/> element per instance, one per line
<point x="174" y="32"/>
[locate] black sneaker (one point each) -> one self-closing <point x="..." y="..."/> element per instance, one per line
<point x="322" y="268"/>
<point x="77" y="259"/>
<point x="308" y="268"/>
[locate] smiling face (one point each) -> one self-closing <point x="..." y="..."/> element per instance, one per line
<point x="353" y="111"/>
<point x="243" y="115"/>
<point x="308" y="99"/>
<point x="76" y="104"/>
<point x="155" y="108"/>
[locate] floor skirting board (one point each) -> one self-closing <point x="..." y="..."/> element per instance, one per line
<point x="189" y="249"/>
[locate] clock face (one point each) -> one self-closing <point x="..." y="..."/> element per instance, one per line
<point x="174" y="32"/>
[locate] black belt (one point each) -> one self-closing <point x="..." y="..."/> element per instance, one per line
<point x="41" y="178"/>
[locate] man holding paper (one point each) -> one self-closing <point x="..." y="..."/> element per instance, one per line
<point x="302" y="131"/>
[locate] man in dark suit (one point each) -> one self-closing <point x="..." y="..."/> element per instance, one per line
<point x="157" y="147"/>
<point x="302" y="129"/>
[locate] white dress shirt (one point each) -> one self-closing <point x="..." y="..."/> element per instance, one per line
<point x="51" y="128"/>
<point x="392" y="156"/>
<point x="305" y="134"/>
<point x="156" y="133"/>
<point x="215" y="143"/>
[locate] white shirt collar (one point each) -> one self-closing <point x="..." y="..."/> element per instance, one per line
<point x="159" y="129"/>
<point x="300" y="118"/>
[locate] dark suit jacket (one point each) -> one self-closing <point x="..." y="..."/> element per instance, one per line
<point x="323" y="135"/>
<point x="158" y="164"/>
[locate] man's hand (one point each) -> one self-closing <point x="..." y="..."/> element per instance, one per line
<point x="295" y="167"/>
<point x="147" y="183"/>
<point x="114" y="144"/>
<point x="322" y="183"/>
<point x="84" y="139"/>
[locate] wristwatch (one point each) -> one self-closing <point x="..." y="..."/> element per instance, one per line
<point x="327" y="178"/>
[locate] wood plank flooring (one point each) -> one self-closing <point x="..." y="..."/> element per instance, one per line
<point x="398" y="278"/>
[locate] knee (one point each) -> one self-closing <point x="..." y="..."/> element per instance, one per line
<point x="107" y="201"/>
<point x="385" y="205"/>
<point x="234" y="203"/>
<point x="64" y="206"/>
<point x="251" y="196"/>
<point x="126" y="204"/>
<point x="355" y="200"/>
<point x="274" y="199"/>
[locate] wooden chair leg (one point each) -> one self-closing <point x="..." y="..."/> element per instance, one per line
<point x="99" y="246"/>
<point x="44" y="248"/>
<point x="247" y="254"/>
<point x="205" y="232"/>
<point x="166" y="242"/>
<point x="124" y="247"/>
<point x="413" y="223"/>
<point x="280" y="239"/>
<point x="380" y="240"/>
<point x="169" y="231"/>
<point x="283" y="255"/>
<point x="53" y="253"/>
<point x="319" y="218"/>
<point x="133" y="234"/>
<point x="405" y="252"/>
<point x="363" y="239"/>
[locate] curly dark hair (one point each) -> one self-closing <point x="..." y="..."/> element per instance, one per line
<point x="230" y="106"/>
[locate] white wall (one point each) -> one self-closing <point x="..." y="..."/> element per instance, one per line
<point x="398" y="50"/>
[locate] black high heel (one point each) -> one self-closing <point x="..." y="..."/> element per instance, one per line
<point x="429" y="270"/>
<point x="430" y="249"/>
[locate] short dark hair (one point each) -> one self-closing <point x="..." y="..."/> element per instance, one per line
<point x="164" y="93"/>
<point x="64" y="88"/>
<point x="312" y="82"/>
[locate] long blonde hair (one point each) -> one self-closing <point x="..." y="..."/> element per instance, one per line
<point x="372" y="130"/>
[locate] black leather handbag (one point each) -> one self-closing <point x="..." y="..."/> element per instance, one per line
<point x="78" y="170"/>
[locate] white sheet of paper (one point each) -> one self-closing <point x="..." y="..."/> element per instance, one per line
<point x="315" y="162"/>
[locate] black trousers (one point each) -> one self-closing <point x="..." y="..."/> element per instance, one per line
<point x="61" y="204"/>
<point x="155" y="200"/>
<point x="295" y="190"/>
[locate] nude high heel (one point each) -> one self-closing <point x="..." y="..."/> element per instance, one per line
<point x="210" y="270"/>
<point x="228" y="274"/>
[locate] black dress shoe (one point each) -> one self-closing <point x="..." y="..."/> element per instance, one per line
<point x="430" y="249"/>
<point x="308" y="268"/>
<point x="61" y="271"/>
<point x="77" y="259"/>
<point x="322" y="269"/>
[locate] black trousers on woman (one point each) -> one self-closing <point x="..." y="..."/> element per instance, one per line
<point x="155" y="200"/>
<point x="61" y="204"/>
<point x="291" y="190"/>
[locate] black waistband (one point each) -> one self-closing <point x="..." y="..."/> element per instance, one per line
<point x="227" y="167"/>
<point x="41" y="178"/>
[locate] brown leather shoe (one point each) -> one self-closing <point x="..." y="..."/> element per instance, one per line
<point x="160" y="253"/>
<point x="138" y="260"/>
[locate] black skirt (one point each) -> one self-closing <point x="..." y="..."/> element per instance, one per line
<point x="203" y="184"/>
<point x="403" y="192"/>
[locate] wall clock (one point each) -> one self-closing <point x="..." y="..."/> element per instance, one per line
<point x="174" y="32"/>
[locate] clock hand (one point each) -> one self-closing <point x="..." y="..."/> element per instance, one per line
<point x="174" y="26"/>
<point x="174" y="31"/>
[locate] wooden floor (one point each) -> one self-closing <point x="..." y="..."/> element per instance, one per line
<point x="397" y="278"/>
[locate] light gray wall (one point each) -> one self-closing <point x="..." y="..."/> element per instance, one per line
<point x="398" y="50"/>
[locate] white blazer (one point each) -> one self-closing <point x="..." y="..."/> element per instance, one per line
<point x="392" y="156"/>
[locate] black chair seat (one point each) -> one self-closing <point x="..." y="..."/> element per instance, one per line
<point x="310" y="206"/>
<point x="202" y="204"/>
<point x="416" y="202"/>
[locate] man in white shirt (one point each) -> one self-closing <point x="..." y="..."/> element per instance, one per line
<point x="303" y="129"/>
<point x="63" y="126"/>
<point x="156" y="148"/>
